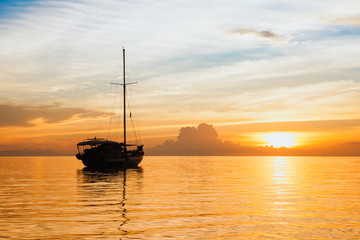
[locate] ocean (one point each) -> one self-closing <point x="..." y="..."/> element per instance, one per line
<point x="182" y="198"/>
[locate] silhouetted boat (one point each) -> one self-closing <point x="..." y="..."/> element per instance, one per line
<point x="99" y="153"/>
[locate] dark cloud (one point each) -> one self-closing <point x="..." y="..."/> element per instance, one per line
<point x="263" y="34"/>
<point x="202" y="140"/>
<point x="22" y="115"/>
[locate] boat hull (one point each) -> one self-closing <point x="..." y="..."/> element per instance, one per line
<point x="130" y="161"/>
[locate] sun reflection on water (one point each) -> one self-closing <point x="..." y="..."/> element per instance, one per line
<point x="280" y="170"/>
<point x="281" y="185"/>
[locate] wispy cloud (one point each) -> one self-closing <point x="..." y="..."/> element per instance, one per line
<point x="31" y="115"/>
<point x="259" y="33"/>
<point x="346" y="20"/>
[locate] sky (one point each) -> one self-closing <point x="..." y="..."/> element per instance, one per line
<point x="255" y="70"/>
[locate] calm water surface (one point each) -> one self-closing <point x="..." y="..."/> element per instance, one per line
<point x="182" y="198"/>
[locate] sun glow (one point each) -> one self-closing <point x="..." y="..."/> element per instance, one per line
<point x="280" y="139"/>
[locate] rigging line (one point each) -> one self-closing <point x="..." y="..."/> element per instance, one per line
<point x="137" y="120"/>
<point x="112" y="113"/>
<point x="135" y="132"/>
<point x="114" y="76"/>
<point x="101" y="126"/>
<point x="119" y="122"/>
<point x="129" y="108"/>
<point x="135" y="123"/>
<point x="137" y="128"/>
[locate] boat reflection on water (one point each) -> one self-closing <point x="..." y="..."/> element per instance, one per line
<point x="111" y="175"/>
<point x="106" y="188"/>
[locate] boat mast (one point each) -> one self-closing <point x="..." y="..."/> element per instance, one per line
<point x="124" y="99"/>
<point x="124" y="91"/>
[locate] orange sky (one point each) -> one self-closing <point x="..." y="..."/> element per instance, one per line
<point x="250" y="69"/>
<point x="61" y="137"/>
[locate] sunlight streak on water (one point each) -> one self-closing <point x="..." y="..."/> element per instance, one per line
<point x="281" y="183"/>
<point x="281" y="170"/>
<point x="182" y="198"/>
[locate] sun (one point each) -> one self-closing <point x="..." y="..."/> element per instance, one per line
<point x="280" y="139"/>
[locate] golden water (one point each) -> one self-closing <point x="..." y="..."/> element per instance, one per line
<point x="182" y="198"/>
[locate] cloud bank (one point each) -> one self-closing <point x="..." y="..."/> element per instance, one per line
<point x="204" y="141"/>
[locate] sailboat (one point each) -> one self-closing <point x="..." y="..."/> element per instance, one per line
<point x="100" y="153"/>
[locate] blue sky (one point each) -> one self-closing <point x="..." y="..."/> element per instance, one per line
<point x="10" y="7"/>
<point x="57" y="43"/>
